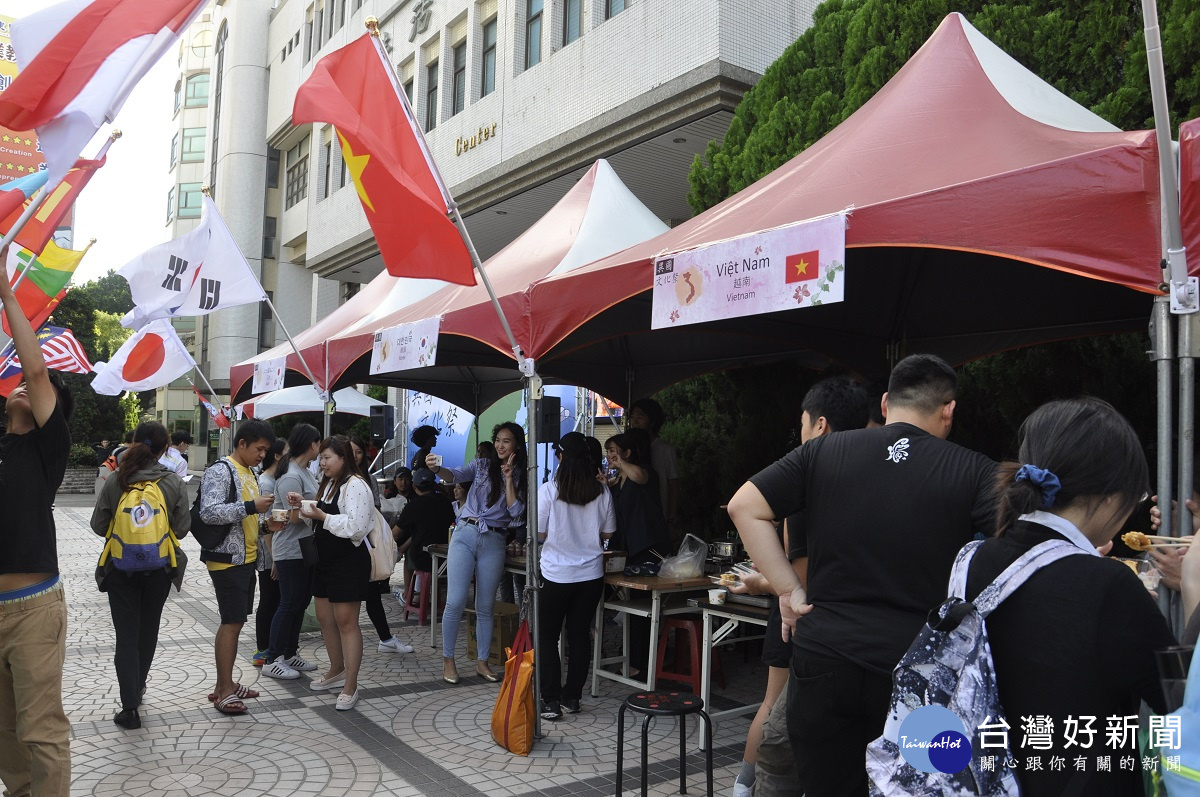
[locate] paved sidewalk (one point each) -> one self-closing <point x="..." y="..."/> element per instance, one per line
<point x="410" y="734"/>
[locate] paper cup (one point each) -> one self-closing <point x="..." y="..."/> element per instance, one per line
<point x="279" y="515"/>
<point x="308" y="505"/>
<point x="716" y="596"/>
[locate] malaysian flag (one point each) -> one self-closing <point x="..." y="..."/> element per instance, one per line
<point x="60" y="349"/>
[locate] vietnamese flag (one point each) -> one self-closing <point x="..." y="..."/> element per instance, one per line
<point x="45" y="284"/>
<point x="354" y="89"/>
<point x="803" y="267"/>
<point x="40" y="227"/>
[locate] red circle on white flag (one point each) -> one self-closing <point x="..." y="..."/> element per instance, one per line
<point x="145" y="359"/>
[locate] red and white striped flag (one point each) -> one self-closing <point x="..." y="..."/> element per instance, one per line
<point x="63" y="352"/>
<point x="79" y="60"/>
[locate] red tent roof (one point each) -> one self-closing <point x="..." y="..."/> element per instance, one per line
<point x="964" y="149"/>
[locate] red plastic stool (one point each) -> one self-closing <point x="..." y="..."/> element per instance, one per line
<point x="421" y="609"/>
<point x="691" y="627"/>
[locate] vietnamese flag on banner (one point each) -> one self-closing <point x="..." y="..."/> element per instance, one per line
<point x="40" y="227"/>
<point x="41" y="291"/>
<point x="803" y="267"/>
<point x="382" y="145"/>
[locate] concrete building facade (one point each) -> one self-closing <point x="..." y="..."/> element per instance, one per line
<point x="517" y="97"/>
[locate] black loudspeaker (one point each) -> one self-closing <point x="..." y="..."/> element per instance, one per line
<point x="549" y="413"/>
<point x="383" y="422"/>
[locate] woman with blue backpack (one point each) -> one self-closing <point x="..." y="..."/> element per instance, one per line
<point x="141" y="513"/>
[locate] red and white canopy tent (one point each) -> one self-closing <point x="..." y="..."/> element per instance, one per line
<point x="598" y="216"/>
<point x="979" y="197"/>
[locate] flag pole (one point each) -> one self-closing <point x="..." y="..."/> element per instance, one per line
<point x="525" y="365"/>
<point x="41" y="197"/>
<point x="207" y="191"/>
<point x="24" y="271"/>
<point x="518" y="353"/>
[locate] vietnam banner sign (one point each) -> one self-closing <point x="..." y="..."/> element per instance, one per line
<point x="406" y="346"/>
<point x="800" y="265"/>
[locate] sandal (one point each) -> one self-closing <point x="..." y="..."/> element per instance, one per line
<point x="230" y="704"/>
<point x="242" y="692"/>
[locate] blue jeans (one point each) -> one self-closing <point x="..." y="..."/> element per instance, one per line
<point x="478" y="553"/>
<point x="295" y="579"/>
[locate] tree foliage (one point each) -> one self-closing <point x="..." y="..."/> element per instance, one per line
<point x="1093" y="51"/>
<point x="729" y="425"/>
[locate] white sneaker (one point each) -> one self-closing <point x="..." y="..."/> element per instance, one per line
<point x="279" y="669"/>
<point x="300" y="665"/>
<point x="394" y="645"/>
<point x="741" y="789"/>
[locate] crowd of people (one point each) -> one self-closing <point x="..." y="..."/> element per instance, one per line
<point x="855" y="530"/>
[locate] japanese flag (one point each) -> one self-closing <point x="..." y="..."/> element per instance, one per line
<point x="152" y="357"/>
<point x="196" y="274"/>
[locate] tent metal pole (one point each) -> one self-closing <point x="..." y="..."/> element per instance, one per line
<point x="1189" y="349"/>
<point x="533" y="404"/>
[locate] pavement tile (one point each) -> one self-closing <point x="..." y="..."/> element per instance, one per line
<point x="411" y="734"/>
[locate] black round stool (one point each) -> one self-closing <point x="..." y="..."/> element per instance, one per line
<point x="664" y="704"/>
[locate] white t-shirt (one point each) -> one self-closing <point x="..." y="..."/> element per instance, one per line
<point x="572" y="551"/>
<point x="172" y="459"/>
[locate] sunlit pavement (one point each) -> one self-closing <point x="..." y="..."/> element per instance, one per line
<point x="410" y="733"/>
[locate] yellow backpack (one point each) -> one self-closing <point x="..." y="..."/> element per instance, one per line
<point x="140" y="536"/>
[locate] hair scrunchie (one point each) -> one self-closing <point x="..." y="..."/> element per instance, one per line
<point x="1046" y="481"/>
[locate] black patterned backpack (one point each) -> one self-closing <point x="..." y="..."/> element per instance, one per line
<point x="950" y="665"/>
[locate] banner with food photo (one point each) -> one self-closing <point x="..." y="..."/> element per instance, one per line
<point x="799" y="265"/>
<point x="405" y="346"/>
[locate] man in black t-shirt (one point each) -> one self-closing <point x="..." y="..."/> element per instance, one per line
<point x="35" y="752"/>
<point x="885" y="512"/>
<point x="425" y="520"/>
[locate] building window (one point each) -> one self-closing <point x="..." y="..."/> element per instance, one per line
<point x="431" y="96"/>
<point x="408" y="89"/>
<point x="193" y="145"/>
<point x="308" y="37"/>
<point x="572" y="20"/>
<point x="191" y="200"/>
<point x="488" y="65"/>
<point x="174" y="150"/>
<point x="266" y="323"/>
<point x="196" y="95"/>
<point x="613" y="7"/>
<point x="341" y="13"/>
<point x="297" y="174"/>
<point x="459" y="98"/>
<point x="357" y="4"/>
<point x="272" y="167"/>
<point x="270" y="230"/>
<point x="342" y="175"/>
<point x="533" y="33"/>
<point x="178" y="95"/>
<point x="219" y="51"/>
<point x="170" y="204"/>
<point x="327" y="166"/>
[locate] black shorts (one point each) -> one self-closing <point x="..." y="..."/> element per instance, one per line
<point x="343" y="579"/>
<point x="234" y="587"/>
<point x="776" y="652"/>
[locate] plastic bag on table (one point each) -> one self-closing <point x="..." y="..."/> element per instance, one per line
<point x="689" y="562"/>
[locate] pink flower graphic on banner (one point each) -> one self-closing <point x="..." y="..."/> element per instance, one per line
<point x="674" y="316"/>
<point x="801" y="294"/>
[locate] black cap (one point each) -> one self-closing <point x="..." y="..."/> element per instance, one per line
<point x="572" y="444"/>
<point x="423" y="478"/>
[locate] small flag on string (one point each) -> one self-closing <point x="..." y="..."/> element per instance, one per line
<point x="219" y="417"/>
